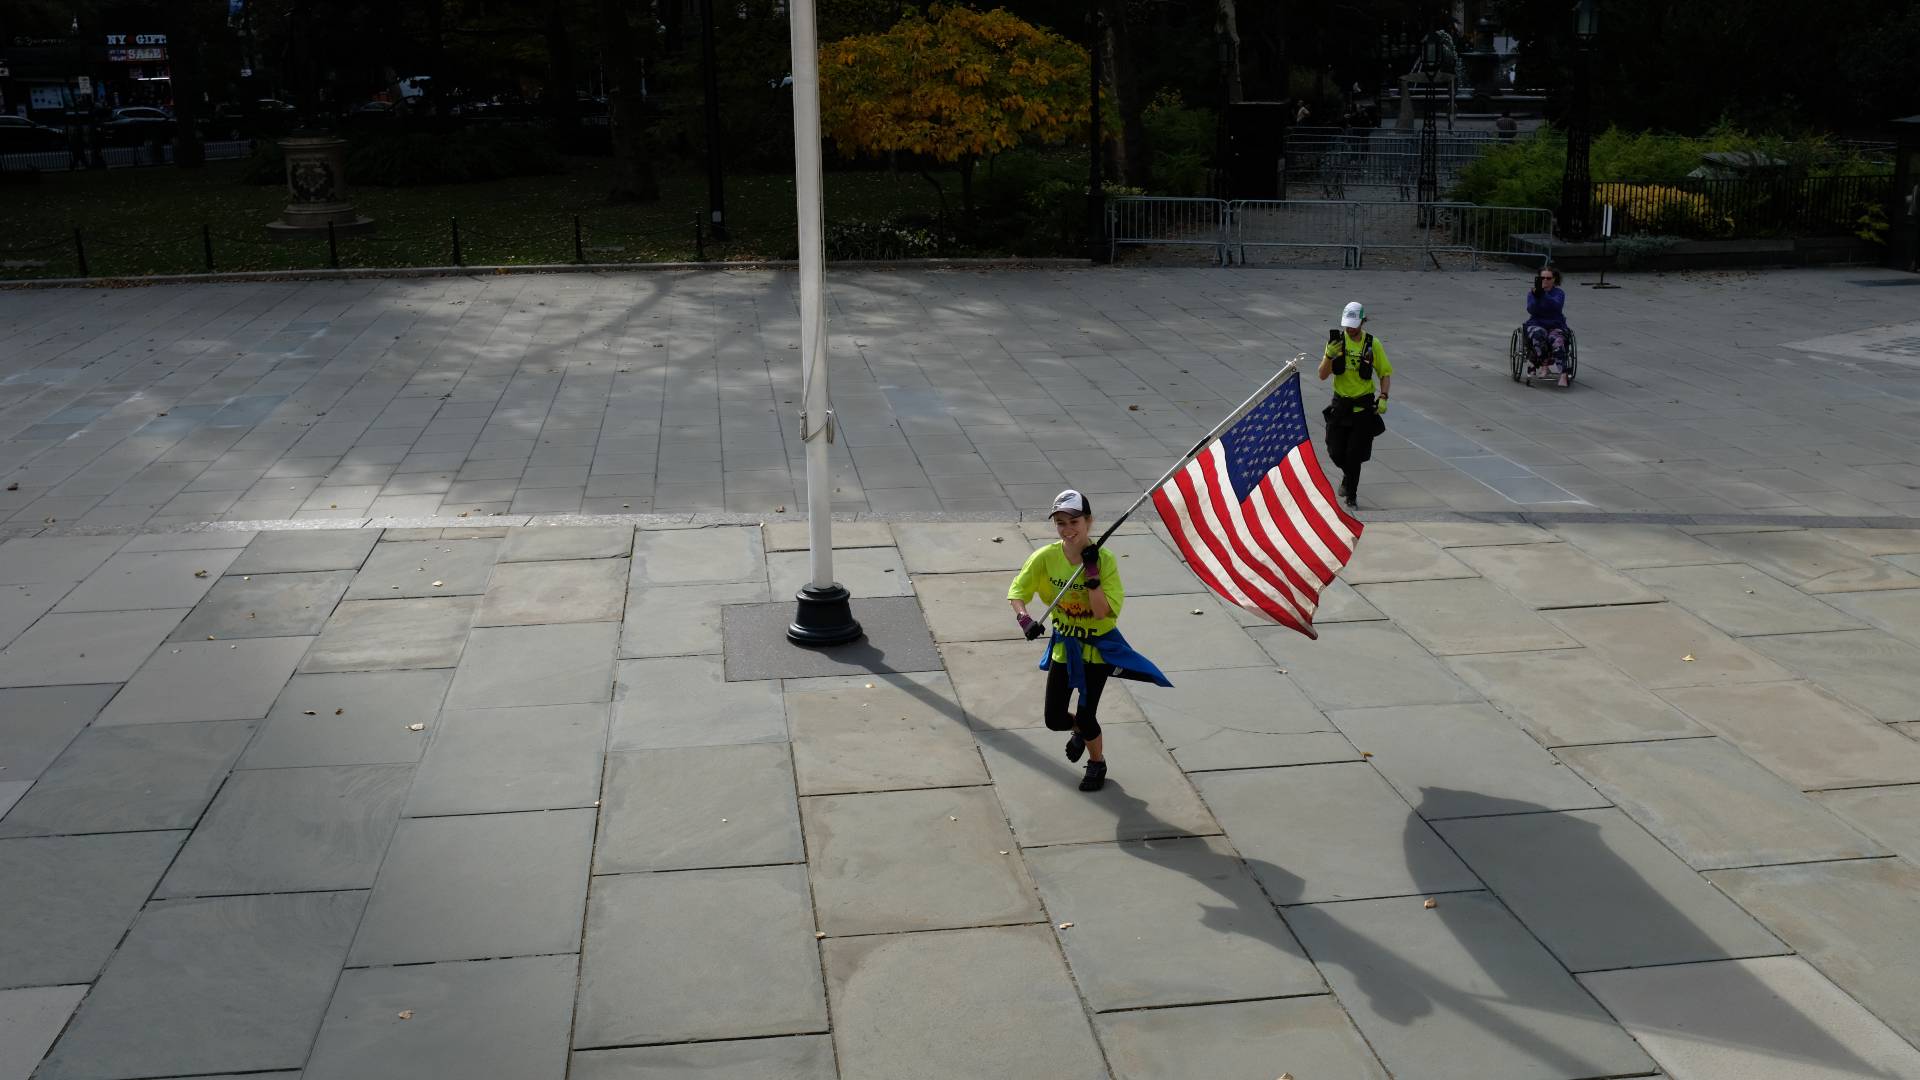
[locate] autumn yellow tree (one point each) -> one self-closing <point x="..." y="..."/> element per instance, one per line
<point x="954" y="85"/>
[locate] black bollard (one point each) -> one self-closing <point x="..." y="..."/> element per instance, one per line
<point x="80" y="251"/>
<point x="579" y="253"/>
<point x="456" y="243"/>
<point x="699" y="240"/>
<point x="333" y="249"/>
<point x="206" y="245"/>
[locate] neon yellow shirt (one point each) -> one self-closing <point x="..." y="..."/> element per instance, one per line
<point x="1349" y="383"/>
<point x="1046" y="570"/>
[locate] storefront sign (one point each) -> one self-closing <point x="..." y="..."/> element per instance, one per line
<point x="137" y="39"/>
<point x="129" y="56"/>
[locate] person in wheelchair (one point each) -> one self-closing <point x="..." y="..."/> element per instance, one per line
<point x="1546" y="326"/>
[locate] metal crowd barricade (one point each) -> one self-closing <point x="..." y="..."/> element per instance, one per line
<point x="1153" y="220"/>
<point x="1355" y="228"/>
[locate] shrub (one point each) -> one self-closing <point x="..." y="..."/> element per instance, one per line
<point x="1182" y="141"/>
<point x="1662" y="210"/>
<point x="902" y="237"/>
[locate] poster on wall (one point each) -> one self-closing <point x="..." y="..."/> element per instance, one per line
<point x="46" y="97"/>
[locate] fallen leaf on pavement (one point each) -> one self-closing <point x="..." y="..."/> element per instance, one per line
<point x="308" y="712"/>
<point x="1431" y="903"/>
<point x="406" y="1014"/>
<point x="1688" y="658"/>
<point x="199" y="573"/>
<point x="416" y="727"/>
<point x="1066" y="926"/>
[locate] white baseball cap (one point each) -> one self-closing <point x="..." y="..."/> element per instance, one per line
<point x="1070" y="502"/>
<point x="1354" y="315"/>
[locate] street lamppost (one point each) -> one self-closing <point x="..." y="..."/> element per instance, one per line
<point x="1096" y="198"/>
<point x="1429" y="185"/>
<point x="1576" y="190"/>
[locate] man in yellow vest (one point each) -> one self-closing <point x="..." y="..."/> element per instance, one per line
<point x="1353" y="359"/>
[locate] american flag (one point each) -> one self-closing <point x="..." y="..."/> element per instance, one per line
<point x="1256" y="517"/>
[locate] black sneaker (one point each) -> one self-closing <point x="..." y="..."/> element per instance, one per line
<point x="1353" y="500"/>
<point x="1096" y="777"/>
<point x="1075" y="747"/>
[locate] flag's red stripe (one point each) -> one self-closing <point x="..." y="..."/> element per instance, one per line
<point x="1296" y="466"/>
<point x="1318" y="524"/>
<point x="1220" y="491"/>
<point x="1183" y="537"/>
<point x="1289" y="533"/>
<point x="1320" y="481"/>
<point x="1219" y="544"/>
<point x="1183" y="530"/>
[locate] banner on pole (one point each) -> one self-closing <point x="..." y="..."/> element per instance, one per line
<point x="1256" y="517"/>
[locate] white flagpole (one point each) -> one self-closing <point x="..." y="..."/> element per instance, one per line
<point x="824" y="616"/>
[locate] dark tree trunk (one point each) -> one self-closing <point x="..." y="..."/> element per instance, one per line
<point x="184" y="38"/>
<point x="633" y="178"/>
<point x="1130" y="150"/>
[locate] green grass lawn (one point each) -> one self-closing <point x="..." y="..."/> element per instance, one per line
<point x="148" y="220"/>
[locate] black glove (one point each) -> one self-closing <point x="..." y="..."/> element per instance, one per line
<point x="1090" y="558"/>
<point x="1029" y="627"/>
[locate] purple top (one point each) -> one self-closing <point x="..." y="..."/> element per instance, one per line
<point x="1544" y="309"/>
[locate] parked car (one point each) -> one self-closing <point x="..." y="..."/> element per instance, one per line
<point x="257" y="119"/>
<point x="20" y="135"/>
<point x="137" y="124"/>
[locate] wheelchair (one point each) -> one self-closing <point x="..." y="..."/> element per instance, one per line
<point x="1517" y="355"/>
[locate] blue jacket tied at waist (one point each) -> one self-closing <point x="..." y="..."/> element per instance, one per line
<point x="1113" y="648"/>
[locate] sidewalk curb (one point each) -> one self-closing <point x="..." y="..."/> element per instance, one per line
<point x="347" y="274"/>
<point x="702" y="520"/>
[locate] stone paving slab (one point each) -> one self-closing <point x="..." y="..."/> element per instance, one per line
<point x="306" y="550"/>
<point x="1735" y="1019"/>
<point x="1471" y="616"/>
<point x="469" y="888"/>
<point x="800" y="1057"/>
<point x="128" y="779"/>
<point x="492" y="1020"/>
<point x="1461" y="992"/>
<point x="358" y="718"/>
<point x="207" y="680"/>
<point x="1364" y="840"/>
<point x="1631" y="547"/>
<point x="698" y="556"/>
<point x="535" y="593"/>
<point x="392" y="635"/>
<point x="1166" y="629"/>
<point x="64" y="560"/>
<point x="292" y="830"/>
<point x="253" y="998"/>
<point x="41" y="721"/>
<point x="895" y="998"/>
<point x="1363" y="665"/>
<point x="1391" y="552"/>
<point x="1567" y="697"/>
<point x="1852" y="920"/>
<point x="1244" y="1040"/>
<point x="962" y="548"/>
<point x="1462" y="761"/>
<point x="1467" y="534"/>
<point x="148" y="581"/>
<point x="1001" y="686"/>
<point x="265" y="605"/>
<point x="1714" y="807"/>
<point x="1743" y="601"/>
<point x="556" y="545"/>
<point x="706" y="954"/>
<point x="894" y="638"/>
<point x="1890" y="815"/>
<point x="22" y="605"/>
<point x="1549" y="575"/>
<point x="409" y="569"/>
<point x="86" y="647"/>
<point x="1134" y="942"/>
<point x="1600" y="893"/>
<point x="796" y="535"/>
<point x="1146" y="794"/>
<point x="1813" y="562"/>
<point x="681" y="620"/>
<point x="698" y="807"/>
<point x="488" y="761"/>
<point x="69" y="899"/>
<point x="967" y="607"/>
<point x="1806" y="737"/>
<point x="1897" y="611"/>
<point x="1663" y="647"/>
<point x="878" y="733"/>
<point x="536" y="665"/>
<point x="898" y="861"/>
<point x="1239" y="718"/>
<point x="30" y="1019"/>
<point x="862" y="572"/>
<point x="1867" y="668"/>
<point x="687" y="701"/>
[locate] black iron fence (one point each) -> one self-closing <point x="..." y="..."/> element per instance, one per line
<point x="82" y="251"/>
<point x="1742" y="208"/>
<point x="54" y="158"/>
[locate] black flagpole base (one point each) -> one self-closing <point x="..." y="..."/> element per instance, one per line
<point x="823" y="617"/>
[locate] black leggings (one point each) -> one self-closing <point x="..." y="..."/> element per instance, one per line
<point x="1059" y="689"/>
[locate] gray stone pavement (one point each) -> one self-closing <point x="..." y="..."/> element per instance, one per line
<point x="976" y="394"/>
<point x="1591" y="800"/>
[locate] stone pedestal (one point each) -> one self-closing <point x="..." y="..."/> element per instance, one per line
<point x="317" y="188"/>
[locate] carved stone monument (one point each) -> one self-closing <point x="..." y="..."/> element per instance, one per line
<point x="317" y="188"/>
